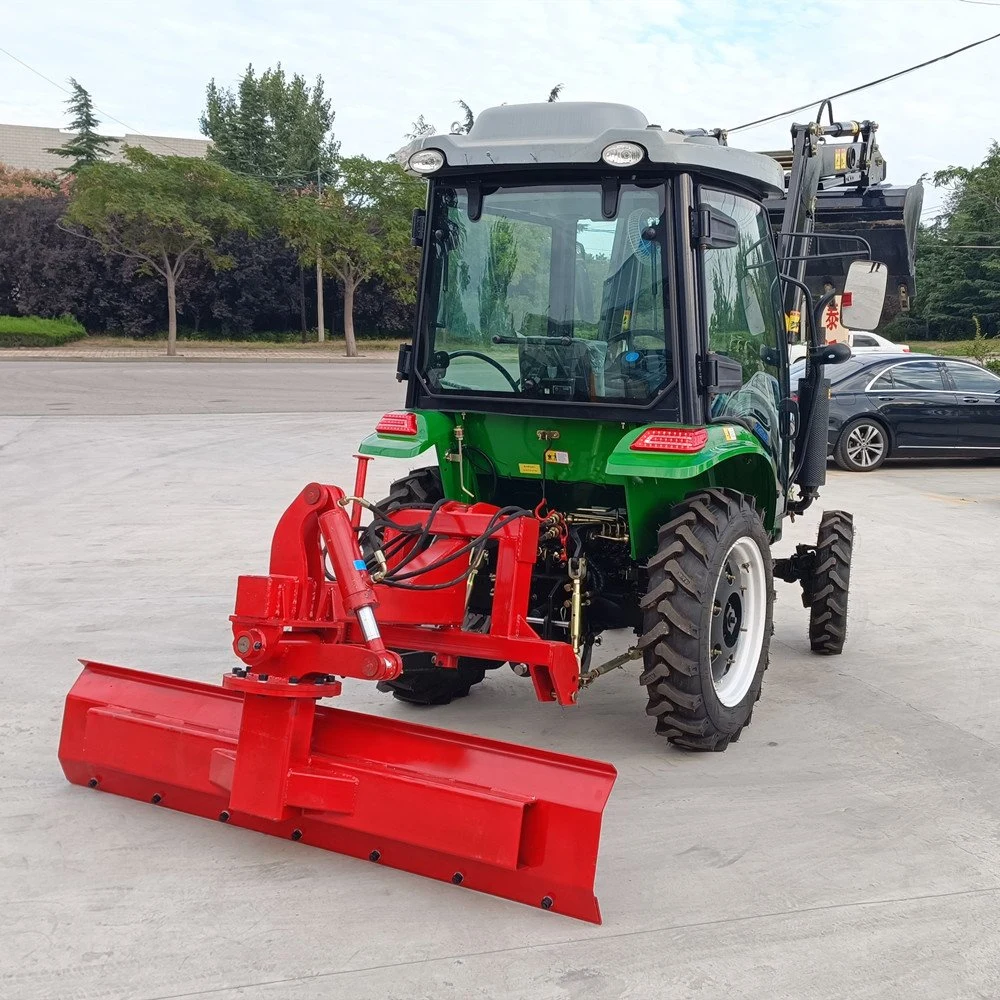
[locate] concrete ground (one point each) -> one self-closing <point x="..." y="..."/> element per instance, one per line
<point x="848" y="846"/>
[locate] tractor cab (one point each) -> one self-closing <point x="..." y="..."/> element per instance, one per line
<point x="592" y="268"/>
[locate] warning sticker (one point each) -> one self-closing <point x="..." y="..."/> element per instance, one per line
<point x="529" y="469"/>
<point x="626" y="320"/>
<point x="729" y="433"/>
<point x="840" y="158"/>
<point x="557" y="457"/>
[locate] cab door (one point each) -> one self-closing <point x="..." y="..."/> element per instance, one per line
<point x="744" y="321"/>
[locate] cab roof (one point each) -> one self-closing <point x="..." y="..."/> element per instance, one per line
<point x="575" y="133"/>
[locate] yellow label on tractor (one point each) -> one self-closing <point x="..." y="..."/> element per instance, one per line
<point x="626" y="319"/>
<point x="840" y="158"/>
<point x="529" y="469"/>
<point x="557" y="457"/>
<point x="792" y="320"/>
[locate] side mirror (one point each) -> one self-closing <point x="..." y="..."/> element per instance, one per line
<point x="830" y="354"/>
<point x="864" y="295"/>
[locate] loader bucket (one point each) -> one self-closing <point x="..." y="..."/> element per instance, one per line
<point x="884" y="215"/>
<point x="503" y="819"/>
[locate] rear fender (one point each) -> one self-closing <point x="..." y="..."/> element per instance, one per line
<point x="434" y="430"/>
<point x="732" y="458"/>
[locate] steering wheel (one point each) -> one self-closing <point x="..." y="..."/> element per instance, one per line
<point x="490" y="361"/>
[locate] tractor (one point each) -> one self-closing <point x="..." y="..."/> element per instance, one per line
<point x="600" y="369"/>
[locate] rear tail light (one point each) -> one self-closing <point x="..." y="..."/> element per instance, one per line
<point x="905" y="348"/>
<point x="398" y="423"/>
<point x="677" y="439"/>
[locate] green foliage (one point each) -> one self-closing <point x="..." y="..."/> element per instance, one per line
<point x="359" y="228"/>
<point x="903" y="328"/>
<point x="166" y="212"/>
<point x="86" y="146"/>
<point x="272" y="127"/>
<point x="958" y="276"/>
<point x="161" y="210"/>
<point x="33" y="331"/>
<point x="360" y="225"/>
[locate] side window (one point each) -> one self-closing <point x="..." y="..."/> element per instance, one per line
<point x="743" y="307"/>
<point x="968" y="378"/>
<point x="884" y="381"/>
<point x="860" y="340"/>
<point x="924" y="375"/>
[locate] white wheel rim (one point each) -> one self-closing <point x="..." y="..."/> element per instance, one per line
<point x="865" y="445"/>
<point x="739" y="614"/>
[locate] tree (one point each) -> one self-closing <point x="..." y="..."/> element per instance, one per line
<point x="161" y="212"/>
<point x="419" y="129"/>
<point x="464" y="126"/>
<point x="958" y="273"/>
<point x="361" y="227"/>
<point x="86" y="146"/>
<point x="272" y="127"/>
<point x="279" y="130"/>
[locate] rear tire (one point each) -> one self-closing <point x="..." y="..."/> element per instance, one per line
<point x="422" y="682"/>
<point x="421" y="486"/>
<point x="707" y="620"/>
<point x="825" y="590"/>
<point x="863" y="445"/>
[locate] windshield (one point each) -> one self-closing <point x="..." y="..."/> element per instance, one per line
<point x="543" y="297"/>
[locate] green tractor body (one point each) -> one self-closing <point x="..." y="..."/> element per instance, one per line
<point x="601" y="338"/>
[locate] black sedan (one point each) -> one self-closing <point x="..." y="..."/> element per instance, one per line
<point x="910" y="406"/>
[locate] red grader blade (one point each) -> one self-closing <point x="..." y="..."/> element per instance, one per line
<point x="259" y="752"/>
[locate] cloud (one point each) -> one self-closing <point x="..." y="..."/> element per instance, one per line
<point x="685" y="64"/>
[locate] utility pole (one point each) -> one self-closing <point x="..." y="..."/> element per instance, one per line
<point x="320" y="322"/>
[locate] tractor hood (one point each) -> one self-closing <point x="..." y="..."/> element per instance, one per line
<point x="576" y="134"/>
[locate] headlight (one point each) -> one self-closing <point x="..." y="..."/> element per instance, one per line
<point x="623" y="154"/>
<point x="426" y="161"/>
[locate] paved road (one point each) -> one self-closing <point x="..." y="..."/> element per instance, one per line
<point x="104" y="389"/>
<point x="846" y="847"/>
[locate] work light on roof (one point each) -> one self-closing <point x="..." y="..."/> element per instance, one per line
<point x="426" y="161"/>
<point x="623" y="154"/>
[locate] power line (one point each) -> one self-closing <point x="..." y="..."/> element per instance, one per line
<point x="117" y="121"/>
<point x="865" y="86"/>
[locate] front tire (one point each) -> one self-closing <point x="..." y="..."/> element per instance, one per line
<point x="863" y="446"/>
<point x="825" y="589"/>
<point x="707" y="620"/>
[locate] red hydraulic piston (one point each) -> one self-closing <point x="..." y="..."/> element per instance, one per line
<point x="352" y="578"/>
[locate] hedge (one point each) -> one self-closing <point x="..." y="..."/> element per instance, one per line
<point x="33" y="331"/>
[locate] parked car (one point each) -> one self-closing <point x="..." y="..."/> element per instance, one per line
<point x="883" y="406"/>
<point x="861" y="342"/>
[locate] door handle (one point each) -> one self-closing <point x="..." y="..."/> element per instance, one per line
<point x="970" y="399"/>
<point x="885" y="399"/>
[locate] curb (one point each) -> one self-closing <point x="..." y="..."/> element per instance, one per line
<point x="12" y="354"/>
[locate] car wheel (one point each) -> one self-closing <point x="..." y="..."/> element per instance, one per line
<point x="863" y="446"/>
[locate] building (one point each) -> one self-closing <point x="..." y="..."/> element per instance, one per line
<point x="23" y="147"/>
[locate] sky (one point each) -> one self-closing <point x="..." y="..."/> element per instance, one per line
<point x="684" y="63"/>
